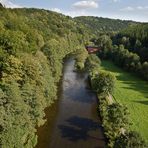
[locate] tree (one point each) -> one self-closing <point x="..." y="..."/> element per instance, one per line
<point x="115" y="119"/>
<point x="130" y="140"/>
<point x="81" y="56"/>
<point x="105" y="43"/>
<point x="92" y="64"/>
<point x="144" y="70"/>
<point x="103" y="83"/>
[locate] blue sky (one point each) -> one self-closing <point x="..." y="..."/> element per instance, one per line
<point x="122" y="9"/>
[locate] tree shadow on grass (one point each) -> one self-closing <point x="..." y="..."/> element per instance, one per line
<point x="142" y="102"/>
<point x="78" y="129"/>
<point x="134" y="82"/>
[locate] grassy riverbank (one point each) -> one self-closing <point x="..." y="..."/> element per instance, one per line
<point x="133" y="92"/>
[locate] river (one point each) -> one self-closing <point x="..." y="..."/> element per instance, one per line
<point x="72" y="121"/>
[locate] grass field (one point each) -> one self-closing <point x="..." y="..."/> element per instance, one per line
<point x="133" y="92"/>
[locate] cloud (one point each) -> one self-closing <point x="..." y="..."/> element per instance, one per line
<point x="9" y="4"/>
<point x="142" y="8"/>
<point x="129" y="8"/>
<point x="56" y="10"/>
<point x="115" y="1"/>
<point x="88" y="4"/>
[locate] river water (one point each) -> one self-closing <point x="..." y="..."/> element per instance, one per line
<point x="72" y="121"/>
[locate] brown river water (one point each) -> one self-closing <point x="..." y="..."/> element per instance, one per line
<point x="72" y="121"/>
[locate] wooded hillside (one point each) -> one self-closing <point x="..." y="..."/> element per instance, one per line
<point x="33" y="44"/>
<point x="98" y="24"/>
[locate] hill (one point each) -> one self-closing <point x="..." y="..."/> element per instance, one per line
<point x="33" y="44"/>
<point x="99" y="24"/>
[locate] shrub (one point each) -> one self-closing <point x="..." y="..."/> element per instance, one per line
<point x="130" y="139"/>
<point x="103" y="83"/>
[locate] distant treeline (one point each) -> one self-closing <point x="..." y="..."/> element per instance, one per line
<point x="128" y="49"/>
<point x="98" y="25"/>
<point x="135" y="39"/>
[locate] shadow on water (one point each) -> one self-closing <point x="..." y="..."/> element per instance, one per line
<point x="75" y="123"/>
<point x="79" y="128"/>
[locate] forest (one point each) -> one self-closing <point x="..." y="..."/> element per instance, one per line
<point x="33" y="45"/>
<point x="98" y="25"/>
<point x="124" y="69"/>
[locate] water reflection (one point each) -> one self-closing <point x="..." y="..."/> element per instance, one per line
<point x="77" y="124"/>
<point x="78" y="128"/>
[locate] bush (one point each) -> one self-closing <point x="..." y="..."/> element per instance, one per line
<point x="80" y="58"/>
<point x="92" y="64"/>
<point x="103" y="83"/>
<point x="130" y="139"/>
<point x="115" y="119"/>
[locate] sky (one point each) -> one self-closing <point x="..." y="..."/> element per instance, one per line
<point x="136" y="10"/>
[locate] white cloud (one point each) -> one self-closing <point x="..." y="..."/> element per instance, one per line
<point x="115" y="1"/>
<point x="128" y="9"/>
<point x="134" y="8"/>
<point x="56" y="10"/>
<point x="9" y="4"/>
<point x="142" y="8"/>
<point x="139" y="7"/>
<point x="89" y="4"/>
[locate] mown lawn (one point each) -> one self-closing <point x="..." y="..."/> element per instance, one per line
<point x="133" y="92"/>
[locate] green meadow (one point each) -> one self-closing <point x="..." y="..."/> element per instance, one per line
<point x="133" y="92"/>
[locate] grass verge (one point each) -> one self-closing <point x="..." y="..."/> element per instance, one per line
<point x="133" y="92"/>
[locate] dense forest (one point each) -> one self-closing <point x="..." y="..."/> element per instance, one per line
<point x="134" y="38"/>
<point x="99" y="25"/>
<point x="128" y="49"/>
<point x="33" y="44"/>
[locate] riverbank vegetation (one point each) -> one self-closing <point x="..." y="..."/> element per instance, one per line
<point x="80" y="57"/>
<point x="33" y="44"/>
<point x="132" y="92"/>
<point x="129" y="89"/>
<point x="115" y="116"/>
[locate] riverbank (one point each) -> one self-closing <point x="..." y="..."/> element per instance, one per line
<point x="132" y="92"/>
<point x="75" y="121"/>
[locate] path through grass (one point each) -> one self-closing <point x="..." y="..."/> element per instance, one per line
<point x="133" y="92"/>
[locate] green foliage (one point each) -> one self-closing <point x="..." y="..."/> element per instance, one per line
<point x="33" y="44"/>
<point x="98" y="25"/>
<point x="103" y="83"/>
<point x="129" y="61"/>
<point x="131" y="91"/>
<point x="105" y="43"/>
<point x="80" y="58"/>
<point x="136" y="40"/>
<point x="144" y="70"/>
<point x="92" y="64"/>
<point x="115" y="118"/>
<point x="130" y="139"/>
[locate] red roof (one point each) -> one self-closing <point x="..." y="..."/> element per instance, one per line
<point x="91" y="49"/>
